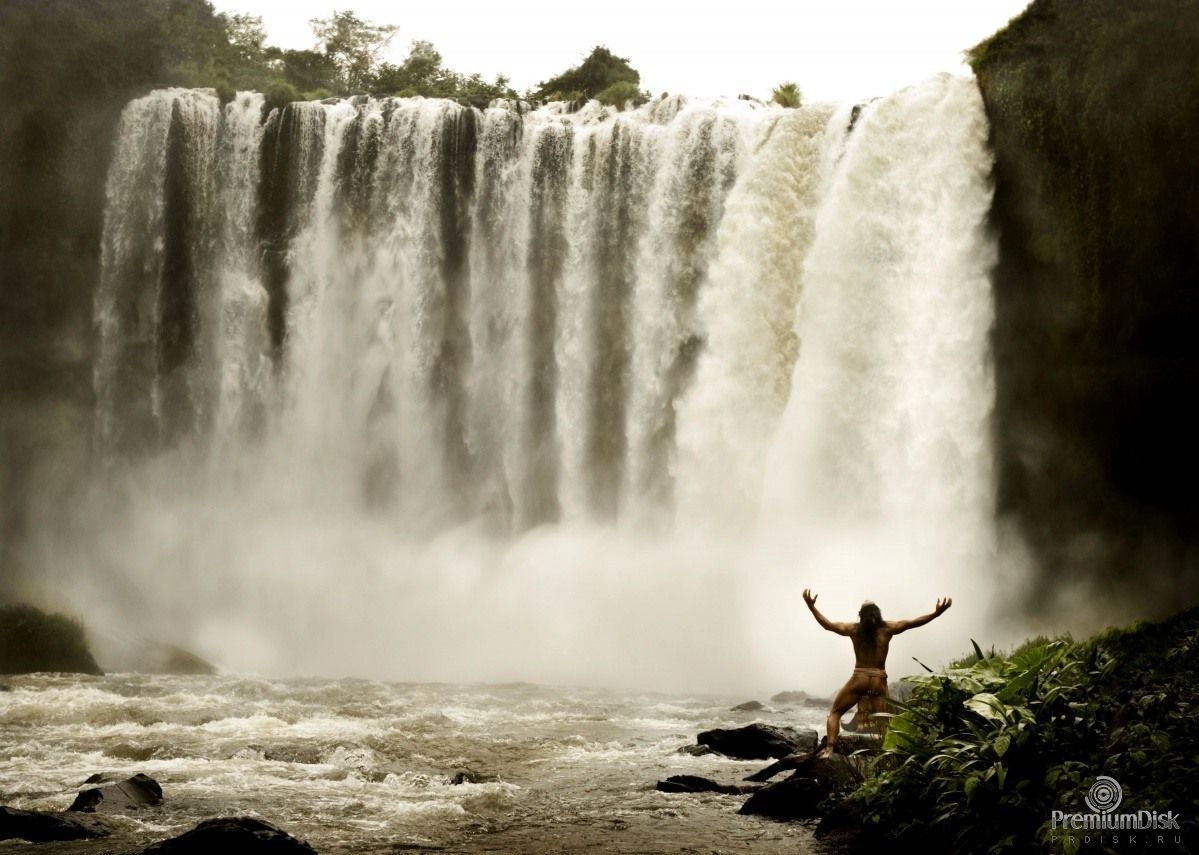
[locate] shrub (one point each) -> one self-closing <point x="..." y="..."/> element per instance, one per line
<point x="787" y="95"/>
<point x="621" y="94"/>
<point x="281" y="94"/>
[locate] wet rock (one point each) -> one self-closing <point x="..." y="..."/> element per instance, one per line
<point x="696" y="750"/>
<point x="125" y="652"/>
<point x="749" y="706"/>
<point x="696" y="784"/>
<point x="469" y="776"/>
<point x="137" y="792"/>
<point x="38" y="827"/>
<point x="94" y="779"/>
<point x="758" y="741"/>
<point x="797" y="797"/>
<point x="240" y="834"/>
<point x="836" y="771"/>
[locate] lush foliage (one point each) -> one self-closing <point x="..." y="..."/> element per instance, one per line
<point x="31" y="640"/>
<point x="621" y="94"/>
<point x="983" y="752"/>
<point x="600" y="72"/>
<point x="787" y="95"/>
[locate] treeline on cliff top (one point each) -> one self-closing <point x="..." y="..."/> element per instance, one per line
<point x="187" y="43"/>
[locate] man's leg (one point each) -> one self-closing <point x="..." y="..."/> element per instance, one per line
<point x="842" y="703"/>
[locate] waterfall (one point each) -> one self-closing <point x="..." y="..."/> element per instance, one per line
<point x="385" y="352"/>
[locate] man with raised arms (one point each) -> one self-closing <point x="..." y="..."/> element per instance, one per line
<point x="871" y="637"/>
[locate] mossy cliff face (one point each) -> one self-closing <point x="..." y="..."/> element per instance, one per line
<point x="1094" y="107"/>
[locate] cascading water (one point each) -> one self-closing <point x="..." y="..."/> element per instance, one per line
<point x="403" y="387"/>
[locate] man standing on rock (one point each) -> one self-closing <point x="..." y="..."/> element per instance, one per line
<point x="871" y="637"/>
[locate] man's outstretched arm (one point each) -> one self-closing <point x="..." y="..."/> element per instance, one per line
<point x="831" y="626"/>
<point x="898" y="626"/>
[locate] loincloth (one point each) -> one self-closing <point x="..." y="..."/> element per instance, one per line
<point x="871" y="672"/>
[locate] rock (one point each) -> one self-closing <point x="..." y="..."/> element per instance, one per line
<point x="758" y="741"/>
<point x="136" y="792"/>
<point x="797" y="797"/>
<point x="119" y="651"/>
<point x="696" y="784"/>
<point x="799" y="698"/>
<point x="37" y="827"/>
<point x="695" y="750"/>
<point x="94" y="779"/>
<point x="4" y="687"/>
<point x="836" y="771"/>
<point x="749" y="706"/>
<point x="468" y="776"/>
<point x="240" y="834"/>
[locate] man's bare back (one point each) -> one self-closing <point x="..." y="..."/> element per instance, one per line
<point x="871" y="637"/>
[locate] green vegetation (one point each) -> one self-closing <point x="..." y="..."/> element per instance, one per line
<point x="621" y="94"/>
<point x="599" y="73"/>
<point x="1093" y="126"/>
<point x="787" y="95"/>
<point x="31" y="640"/>
<point x="983" y="752"/>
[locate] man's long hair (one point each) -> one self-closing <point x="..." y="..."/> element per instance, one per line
<point x="870" y="618"/>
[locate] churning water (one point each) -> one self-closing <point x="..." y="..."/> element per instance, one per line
<point x="357" y="766"/>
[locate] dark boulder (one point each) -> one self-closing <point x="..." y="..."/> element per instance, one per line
<point x="240" y="834"/>
<point x="749" y="706"/>
<point x="469" y="776"/>
<point x="37" y="827"/>
<point x="136" y="792"/>
<point x="837" y="770"/>
<point x="696" y="784"/>
<point x="758" y="741"/>
<point x="695" y="750"/>
<point x="797" y="797"/>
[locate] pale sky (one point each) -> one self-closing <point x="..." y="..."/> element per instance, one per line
<point x="836" y="50"/>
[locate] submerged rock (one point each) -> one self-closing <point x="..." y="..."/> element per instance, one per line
<point x="696" y="750"/>
<point x="136" y="792"/>
<point x="749" y="706"/>
<point x="696" y="784"/>
<point x="758" y="741"/>
<point x="38" y="827"/>
<point x="241" y="834"/>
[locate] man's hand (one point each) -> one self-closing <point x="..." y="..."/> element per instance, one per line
<point x="942" y="605"/>
<point x="809" y="598"/>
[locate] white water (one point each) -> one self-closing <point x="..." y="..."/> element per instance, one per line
<point x="356" y="766"/>
<point x="591" y="404"/>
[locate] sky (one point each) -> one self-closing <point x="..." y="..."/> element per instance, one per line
<point x="836" y="50"/>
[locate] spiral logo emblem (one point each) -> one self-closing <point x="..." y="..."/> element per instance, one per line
<point x="1105" y="795"/>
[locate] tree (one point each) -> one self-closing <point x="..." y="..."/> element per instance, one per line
<point x="787" y="95"/>
<point x="354" y="46"/>
<point x="600" y="70"/>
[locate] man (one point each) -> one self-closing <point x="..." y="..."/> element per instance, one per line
<point x="871" y="637"/>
